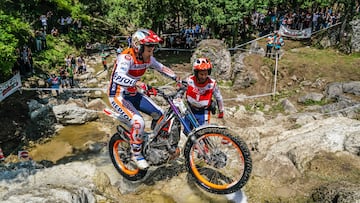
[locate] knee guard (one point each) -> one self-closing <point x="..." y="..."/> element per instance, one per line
<point x="137" y="129"/>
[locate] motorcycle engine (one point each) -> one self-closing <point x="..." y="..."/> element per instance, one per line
<point x="157" y="156"/>
<point x="163" y="146"/>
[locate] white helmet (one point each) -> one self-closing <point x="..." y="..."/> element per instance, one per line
<point x="144" y="37"/>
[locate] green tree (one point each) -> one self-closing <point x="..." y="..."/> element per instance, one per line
<point x="13" y="34"/>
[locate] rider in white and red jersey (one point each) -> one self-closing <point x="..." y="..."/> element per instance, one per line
<point x="130" y="65"/>
<point x="201" y="89"/>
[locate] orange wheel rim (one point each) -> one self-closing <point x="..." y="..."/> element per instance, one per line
<point x="120" y="162"/>
<point x="204" y="180"/>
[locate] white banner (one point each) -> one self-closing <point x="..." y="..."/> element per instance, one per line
<point x="10" y="86"/>
<point x="300" y="34"/>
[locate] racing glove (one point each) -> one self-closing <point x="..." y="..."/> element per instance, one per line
<point x="148" y="90"/>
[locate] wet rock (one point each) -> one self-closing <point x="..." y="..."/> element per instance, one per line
<point x="72" y="114"/>
<point x="341" y="192"/>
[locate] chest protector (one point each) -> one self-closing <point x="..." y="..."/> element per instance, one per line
<point x="199" y="95"/>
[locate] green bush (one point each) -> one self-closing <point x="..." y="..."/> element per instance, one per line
<point x="55" y="54"/>
<point x="13" y="34"/>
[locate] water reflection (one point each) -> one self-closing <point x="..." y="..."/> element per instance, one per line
<point x="69" y="141"/>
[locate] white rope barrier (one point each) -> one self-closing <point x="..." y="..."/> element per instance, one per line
<point x="276" y="70"/>
<point x="240" y="98"/>
<point x="326" y="28"/>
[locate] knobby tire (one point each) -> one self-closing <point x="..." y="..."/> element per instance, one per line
<point x="216" y="178"/>
<point x="119" y="151"/>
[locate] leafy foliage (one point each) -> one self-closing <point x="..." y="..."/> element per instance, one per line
<point x="103" y="19"/>
<point x="13" y="33"/>
<point x="55" y="54"/>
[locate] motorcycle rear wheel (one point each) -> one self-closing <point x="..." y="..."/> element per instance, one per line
<point x="220" y="163"/>
<point x="120" y="154"/>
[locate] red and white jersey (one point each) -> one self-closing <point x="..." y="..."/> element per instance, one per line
<point x="200" y="95"/>
<point x="128" y="70"/>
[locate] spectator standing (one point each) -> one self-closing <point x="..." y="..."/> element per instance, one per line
<point x="307" y="20"/>
<point x="197" y="30"/>
<point x="73" y="62"/>
<point x="70" y="74"/>
<point x="26" y="57"/>
<point x="81" y="64"/>
<point x="315" y="21"/>
<point x="63" y="77"/>
<point x="68" y="61"/>
<point x="38" y="41"/>
<point x="54" y="82"/>
<point x="43" y="39"/>
<point x="103" y="59"/>
<point x="269" y="45"/>
<point x="50" y="19"/>
<point x="43" y="20"/>
<point x="68" y="23"/>
<point x="62" y="23"/>
<point x="278" y="43"/>
<point x="189" y="41"/>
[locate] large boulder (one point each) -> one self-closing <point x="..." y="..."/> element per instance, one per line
<point x="220" y="57"/>
<point x="355" y="39"/>
<point x="72" y="114"/>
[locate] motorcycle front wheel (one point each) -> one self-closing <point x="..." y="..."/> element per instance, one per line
<point x="219" y="162"/>
<point x="120" y="154"/>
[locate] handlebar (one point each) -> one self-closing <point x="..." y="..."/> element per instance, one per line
<point x="182" y="87"/>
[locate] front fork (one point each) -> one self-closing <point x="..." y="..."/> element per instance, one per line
<point x="202" y="147"/>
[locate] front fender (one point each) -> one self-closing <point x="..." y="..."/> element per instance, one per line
<point x="194" y="131"/>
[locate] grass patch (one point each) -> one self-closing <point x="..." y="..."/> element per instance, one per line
<point x="310" y="102"/>
<point x="311" y="63"/>
<point x="169" y="57"/>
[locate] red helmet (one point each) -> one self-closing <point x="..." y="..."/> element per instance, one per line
<point x="202" y="64"/>
<point x="144" y="37"/>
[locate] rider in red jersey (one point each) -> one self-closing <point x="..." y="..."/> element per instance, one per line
<point x="130" y="65"/>
<point x="200" y="91"/>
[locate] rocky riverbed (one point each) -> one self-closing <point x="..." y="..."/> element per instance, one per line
<point x="303" y="155"/>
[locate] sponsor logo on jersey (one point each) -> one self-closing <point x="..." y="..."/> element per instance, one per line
<point x="124" y="80"/>
<point x="121" y="112"/>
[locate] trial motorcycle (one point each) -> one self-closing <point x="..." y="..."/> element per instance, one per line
<point x="217" y="160"/>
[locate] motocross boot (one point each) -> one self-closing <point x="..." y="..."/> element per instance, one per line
<point x="137" y="156"/>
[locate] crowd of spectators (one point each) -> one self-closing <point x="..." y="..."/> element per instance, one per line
<point x="24" y="61"/>
<point x="296" y="20"/>
<point x="64" y="75"/>
<point x="38" y="42"/>
<point x="262" y="23"/>
<point x="187" y="37"/>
